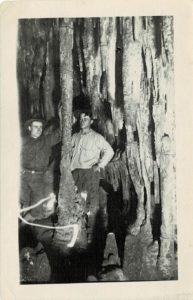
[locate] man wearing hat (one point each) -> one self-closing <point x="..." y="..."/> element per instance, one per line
<point x="35" y="155"/>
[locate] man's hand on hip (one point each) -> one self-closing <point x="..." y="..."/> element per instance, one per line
<point x="96" y="168"/>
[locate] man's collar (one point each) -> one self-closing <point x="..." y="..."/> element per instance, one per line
<point x="35" y="139"/>
<point x="85" y="133"/>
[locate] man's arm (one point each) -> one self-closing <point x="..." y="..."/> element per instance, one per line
<point x="55" y="137"/>
<point x="107" y="154"/>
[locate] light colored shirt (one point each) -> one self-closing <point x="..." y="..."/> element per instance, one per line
<point x="90" y="149"/>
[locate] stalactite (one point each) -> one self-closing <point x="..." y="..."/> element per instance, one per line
<point x="132" y="67"/>
<point x="119" y="64"/>
<point x="109" y="132"/>
<point x="138" y="29"/>
<point x="48" y="84"/>
<point x="125" y="179"/>
<point x="39" y="51"/>
<point x="32" y="62"/>
<point x="93" y="66"/>
<point x="117" y="120"/>
<point x="93" y="61"/>
<point x="158" y="95"/>
<point x="156" y="184"/>
<point x="150" y="41"/>
<point x="104" y="24"/>
<point x="111" y="52"/>
<point x="116" y="173"/>
<point x="88" y="50"/>
<point x="108" y="53"/>
<point x="78" y="24"/>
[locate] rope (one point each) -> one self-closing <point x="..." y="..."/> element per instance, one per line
<point x="34" y="205"/>
<point x="74" y="226"/>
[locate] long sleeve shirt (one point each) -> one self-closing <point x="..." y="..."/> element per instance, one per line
<point x="36" y="152"/>
<point x="89" y="149"/>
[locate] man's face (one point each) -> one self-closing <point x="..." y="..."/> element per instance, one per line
<point x="36" y="129"/>
<point x="85" y="121"/>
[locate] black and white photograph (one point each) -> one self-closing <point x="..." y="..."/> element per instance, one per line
<point x="97" y="197"/>
<point x="96" y="150"/>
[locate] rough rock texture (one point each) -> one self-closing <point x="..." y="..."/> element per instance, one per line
<point x="70" y="204"/>
<point x="35" y="267"/>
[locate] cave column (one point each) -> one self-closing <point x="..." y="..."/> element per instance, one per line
<point x="132" y="68"/>
<point x="167" y="157"/>
<point x="70" y="207"/>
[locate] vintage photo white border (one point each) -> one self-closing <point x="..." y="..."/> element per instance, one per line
<point x="10" y="12"/>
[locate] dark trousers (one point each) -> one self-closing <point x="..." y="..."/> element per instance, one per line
<point x="87" y="181"/>
<point x="34" y="187"/>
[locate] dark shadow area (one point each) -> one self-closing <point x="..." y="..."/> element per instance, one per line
<point x="66" y="265"/>
<point x="55" y="166"/>
<point x="121" y="213"/>
<point x="118" y="65"/>
<point x="156" y="222"/>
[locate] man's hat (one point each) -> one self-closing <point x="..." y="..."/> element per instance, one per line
<point x="38" y="119"/>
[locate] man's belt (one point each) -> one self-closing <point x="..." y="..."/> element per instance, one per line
<point x="23" y="171"/>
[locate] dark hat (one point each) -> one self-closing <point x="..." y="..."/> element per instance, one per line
<point x="29" y="122"/>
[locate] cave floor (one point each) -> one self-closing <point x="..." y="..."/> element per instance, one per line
<point x="39" y="265"/>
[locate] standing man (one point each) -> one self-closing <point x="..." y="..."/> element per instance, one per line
<point x="36" y="151"/>
<point x="90" y="153"/>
